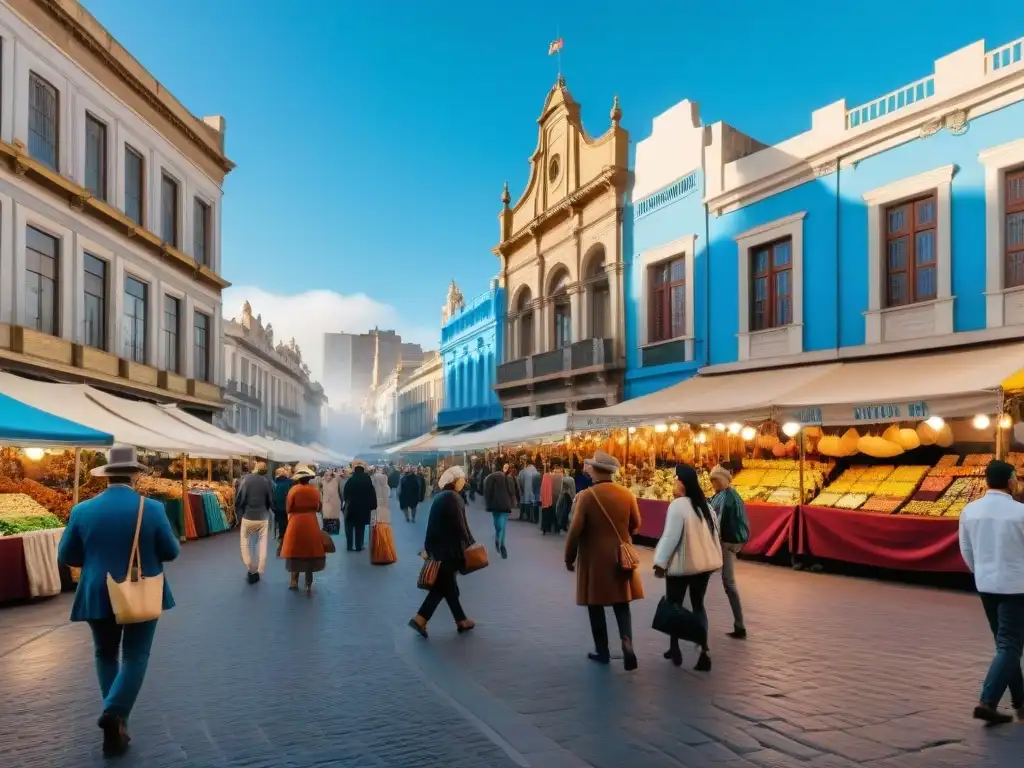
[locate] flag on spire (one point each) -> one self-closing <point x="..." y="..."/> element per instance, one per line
<point x="555" y="46"/>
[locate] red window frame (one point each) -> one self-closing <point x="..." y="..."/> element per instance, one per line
<point x="660" y="289"/>
<point x="775" y="308"/>
<point x="912" y="224"/>
<point x="1013" y="257"/>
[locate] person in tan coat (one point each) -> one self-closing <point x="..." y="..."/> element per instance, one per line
<point x="606" y="514"/>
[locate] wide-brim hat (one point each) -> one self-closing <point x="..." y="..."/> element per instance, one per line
<point x="121" y="460"/>
<point x="603" y="462"/>
<point x="301" y="472"/>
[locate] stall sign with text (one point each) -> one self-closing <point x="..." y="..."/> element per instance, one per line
<point x="878" y="412"/>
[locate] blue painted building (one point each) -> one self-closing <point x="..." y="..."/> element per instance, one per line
<point x="471" y="344"/>
<point x="888" y="228"/>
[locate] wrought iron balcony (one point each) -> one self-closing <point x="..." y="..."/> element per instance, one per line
<point x="587" y="356"/>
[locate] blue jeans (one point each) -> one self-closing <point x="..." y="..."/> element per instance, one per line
<point x="1005" y="615"/>
<point x="500" y="525"/>
<point x="122" y="655"/>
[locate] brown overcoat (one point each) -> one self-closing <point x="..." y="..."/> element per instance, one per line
<point x="593" y="545"/>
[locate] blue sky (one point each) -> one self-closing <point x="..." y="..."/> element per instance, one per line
<point x="372" y="138"/>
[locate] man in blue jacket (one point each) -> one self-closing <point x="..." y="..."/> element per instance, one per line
<point x="99" y="539"/>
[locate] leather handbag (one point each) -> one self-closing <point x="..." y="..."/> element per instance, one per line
<point x="428" y="574"/>
<point x="138" y="598"/>
<point x="628" y="558"/>
<point x="473" y="559"/>
<point x="675" y="620"/>
<point x="329" y="547"/>
<point x="701" y="548"/>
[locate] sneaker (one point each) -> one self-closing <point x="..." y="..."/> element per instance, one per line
<point x="991" y="715"/>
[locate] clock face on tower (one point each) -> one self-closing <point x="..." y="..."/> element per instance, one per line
<point x="554" y="168"/>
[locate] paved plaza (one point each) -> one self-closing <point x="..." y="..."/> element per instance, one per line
<point x="837" y="673"/>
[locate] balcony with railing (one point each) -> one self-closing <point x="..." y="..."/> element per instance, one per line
<point x="587" y="356"/>
<point x="242" y="391"/>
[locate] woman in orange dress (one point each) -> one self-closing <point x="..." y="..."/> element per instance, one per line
<point x="303" y="546"/>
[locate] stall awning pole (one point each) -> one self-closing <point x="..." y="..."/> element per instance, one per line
<point x="78" y="472"/>
<point x="800" y="437"/>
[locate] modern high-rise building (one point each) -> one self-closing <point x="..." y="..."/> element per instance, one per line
<point x="356" y="363"/>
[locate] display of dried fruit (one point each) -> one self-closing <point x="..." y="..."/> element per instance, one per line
<point x="908" y="474"/>
<point x="949" y="460"/>
<point x="924" y="508"/>
<point x="749" y="478"/>
<point x="936" y="483"/>
<point x="852" y="501"/>
<point x="826" y="499"/>
<point x="883" y="504"/>
<point x="20" y="505"/>
<point x="787" y="496"/>
<point x="978" y="459"/>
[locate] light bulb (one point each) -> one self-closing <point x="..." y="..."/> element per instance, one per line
<point x="981" y="421"/>
<point x="661" y="428"/>
<point x="719" y="427"/>
<point x="632" y="430"/>
<point x="935" y="422"/>
<point x="791" y="429"/>
<point x="702" y="437"/>
<point x="734" y="428"/>
<point x="673" y="427"/>
<point x="1006" y="421"/>
<point x="748" y="433"/>
<point x="35" y="454"/>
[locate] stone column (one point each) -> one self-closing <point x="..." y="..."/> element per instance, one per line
<point x="616" y="325"/>
<point x="577" y="305"/>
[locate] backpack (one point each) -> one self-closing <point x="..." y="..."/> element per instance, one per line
<point x="734" y="524"/>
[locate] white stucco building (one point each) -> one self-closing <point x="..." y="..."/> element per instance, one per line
<point x="268" y="389"/>
<point x="110" y="215"/>
<point x="421" y="397"/>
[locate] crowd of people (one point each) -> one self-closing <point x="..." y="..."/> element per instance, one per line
<point x="121" y="541"/>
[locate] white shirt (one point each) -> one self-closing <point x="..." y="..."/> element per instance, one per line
<point x="992" y="543"/>
<point x="668" y="554"/>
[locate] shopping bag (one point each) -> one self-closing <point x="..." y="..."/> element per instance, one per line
<point x="473" y="559"/>
<point x="138" y="598"/>
<point x="702" y="549"/>
<point x="673" y="619"/>
<point x="428" y="574"/>
<point x="328" y="542"/>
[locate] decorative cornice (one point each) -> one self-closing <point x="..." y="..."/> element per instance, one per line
<point x="955" y="122"/>
<point x="104" y="54"/>
<point x="81" y="199"/>
<point x="826" y="169"/>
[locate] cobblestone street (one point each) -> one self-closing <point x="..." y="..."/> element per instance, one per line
<point x="837" y="673"/>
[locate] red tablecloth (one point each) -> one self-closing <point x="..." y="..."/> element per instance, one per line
<point x="771" y="525"/>
<point x="899" y="542"/>
<point x="13" y="573"/>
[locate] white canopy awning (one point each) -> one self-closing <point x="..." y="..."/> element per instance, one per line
<point x="157" y="420"/>
<point x="333" y="456"/>
<point x="71" y="401"/>
<point x="746" y="396"/>
<point x="286" y="452"/>
<point x="950" y="384"/>
<point x="513" y="432"/>
<point x="415" y="445"/>
<point x="240" y="443"/>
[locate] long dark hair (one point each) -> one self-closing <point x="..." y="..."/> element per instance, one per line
<point x="687" y="475"/>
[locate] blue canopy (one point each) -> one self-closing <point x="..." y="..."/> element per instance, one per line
<point x="26" y="426"/>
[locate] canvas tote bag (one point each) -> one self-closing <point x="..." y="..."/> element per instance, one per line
<point x="702" y="551"/>
<point x="138" y="598"/>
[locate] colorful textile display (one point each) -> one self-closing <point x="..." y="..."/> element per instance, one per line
<point x="41" y="561"/>
<point x="382" y="544"/>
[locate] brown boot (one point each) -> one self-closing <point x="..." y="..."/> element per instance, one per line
<point x="465" y="625"/>
<point x="418" y="623"/>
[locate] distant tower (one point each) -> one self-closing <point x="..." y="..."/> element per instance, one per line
<point x="376" y="359"/>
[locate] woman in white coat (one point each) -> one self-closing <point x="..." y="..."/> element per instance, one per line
<point x="330" y="498"/>
<point x="688" y="552"/>
<point x="380" y="485"/>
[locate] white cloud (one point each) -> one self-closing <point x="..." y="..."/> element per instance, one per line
<point x="307" y="316"/>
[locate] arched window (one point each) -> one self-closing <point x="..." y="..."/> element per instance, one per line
<point x="562" y="313"/>
<point x="524" y="324"/>
<point x="597" y="293"/>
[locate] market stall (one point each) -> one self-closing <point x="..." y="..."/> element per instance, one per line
<point x="29" y="530"/>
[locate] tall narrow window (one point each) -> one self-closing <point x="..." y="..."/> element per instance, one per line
<point x="910" y="257"/>
<point x="562" y="312"/>
<point x="1015" y="228"/>
<point x="43" y="121"/>
<point x="201" y="347"/>
<point x="95" y="302"/>
<point x="201" y="231"/>
<point x="134" y="184"/>
<point x="666" y="308"/>
<point x="42" y="269"/>
<point x="172" y="313"/>
<point x="771" y="272"/>
<point x="95" y="157"/>
<point x="169" y="210"/>
<point x="133" y="323"/>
